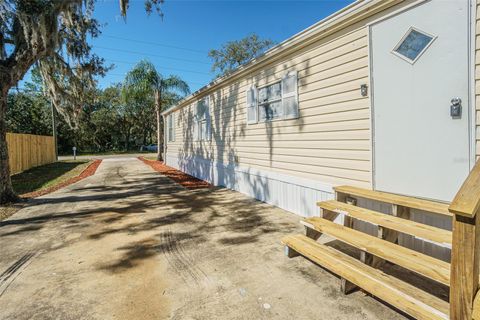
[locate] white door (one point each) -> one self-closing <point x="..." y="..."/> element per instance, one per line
<point x="420" y="62"/>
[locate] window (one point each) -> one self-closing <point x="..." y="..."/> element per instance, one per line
<point x="276" y="101"/>
<point x="413" y="45"/>
<point x="202" y="120"/>
<point x="270" y="102"/>
<point x="171" y="127"/>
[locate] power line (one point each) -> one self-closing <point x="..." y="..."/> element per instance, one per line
<point x="152" y="55"/>
<point x="154" y="44"/>
<point x="161" y="67"/>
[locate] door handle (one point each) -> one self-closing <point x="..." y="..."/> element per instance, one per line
<point x="456" y="108"/>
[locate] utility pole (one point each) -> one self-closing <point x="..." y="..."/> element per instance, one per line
<point x="54" y="129"/>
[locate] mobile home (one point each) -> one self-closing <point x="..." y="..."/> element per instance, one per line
<point x="377" y="101"/>
<point x="380" y="95"/>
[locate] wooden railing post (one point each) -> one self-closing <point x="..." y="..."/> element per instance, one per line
<point x="464" y="276"/>
<point x="464" y="266"/>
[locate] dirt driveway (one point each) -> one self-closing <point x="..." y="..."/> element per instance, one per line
<point x="127" y="243"/>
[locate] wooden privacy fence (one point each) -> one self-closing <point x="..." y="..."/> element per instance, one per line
<point x="26" y="151"/>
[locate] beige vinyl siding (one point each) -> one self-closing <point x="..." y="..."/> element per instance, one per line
<point x="329" y="142"/>
<point x="477" y="77"/>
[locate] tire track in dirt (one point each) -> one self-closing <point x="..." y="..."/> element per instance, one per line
<point x="12" y="272"/>
<point x="180" y="261"/>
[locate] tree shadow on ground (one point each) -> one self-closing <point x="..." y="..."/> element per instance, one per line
<point x="192" y="217"/>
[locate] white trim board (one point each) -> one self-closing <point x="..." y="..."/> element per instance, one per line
<point x="472" y="109"/>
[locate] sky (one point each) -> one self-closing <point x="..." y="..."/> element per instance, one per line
<point x="179" y="43"/>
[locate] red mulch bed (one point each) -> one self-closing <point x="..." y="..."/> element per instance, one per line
<point x="89" y="171"/>
<point x="179" y="177"/>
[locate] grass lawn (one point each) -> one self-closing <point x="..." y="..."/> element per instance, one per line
<point x="40" y="178"/>
<point x="47" y="175"/>
<point x="106" y="153"/>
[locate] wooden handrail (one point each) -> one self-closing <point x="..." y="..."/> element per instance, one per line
<point x="467" y="200"/>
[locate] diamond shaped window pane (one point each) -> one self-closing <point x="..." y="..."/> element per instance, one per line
<point x="413" y="44"/>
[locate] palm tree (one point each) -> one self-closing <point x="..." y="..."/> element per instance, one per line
<point x="145" y="79"/>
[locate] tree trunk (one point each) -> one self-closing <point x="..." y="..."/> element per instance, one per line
<point x="6" y="190"/>
<point x="127" y="139"/>
<point x="159" y="125"/>
<point x="144" y="138"/>
<point x="159" y="135"/>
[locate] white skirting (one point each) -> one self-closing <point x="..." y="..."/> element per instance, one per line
<point x="293" y="194"/>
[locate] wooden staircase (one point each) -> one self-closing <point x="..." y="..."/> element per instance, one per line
<point x="411" y="300"/>
<point x="375" y="250"/>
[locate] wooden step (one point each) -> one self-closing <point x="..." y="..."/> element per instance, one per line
<point x="409" y="259"/>
<point x="476" y="307"/>
<point x="418" y="230"/>
<point x="409" y="202"/>
<point x="405" y="297"/>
